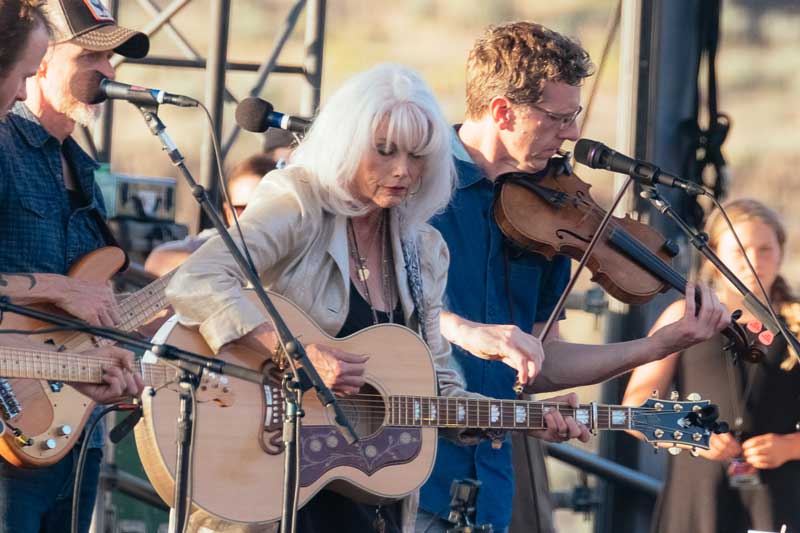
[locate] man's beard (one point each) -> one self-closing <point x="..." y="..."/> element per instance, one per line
<point x="82" y="114"/>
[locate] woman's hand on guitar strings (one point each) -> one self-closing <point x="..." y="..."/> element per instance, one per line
<point x="342" y="371"/>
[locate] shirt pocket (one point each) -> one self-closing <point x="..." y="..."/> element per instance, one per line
<point x="38" y="206"/>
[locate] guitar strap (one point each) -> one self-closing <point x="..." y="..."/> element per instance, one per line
<point x="414" y="275"/>
<point x="87" y="198"/>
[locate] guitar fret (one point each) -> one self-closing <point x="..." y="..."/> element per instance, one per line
<point x="437" y="411"/>
<point x="34" y="364"/>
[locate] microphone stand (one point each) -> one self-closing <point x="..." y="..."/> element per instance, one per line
<point x="190" y="367"/>
<point x="699" y="240"/>
<point x="305" y="376"/>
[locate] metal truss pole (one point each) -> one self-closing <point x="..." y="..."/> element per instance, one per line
<point x="268" y="67"/>
<point x="215" y="84"/>
<point x="315" y="37"/>
<point x="658" y="81"/>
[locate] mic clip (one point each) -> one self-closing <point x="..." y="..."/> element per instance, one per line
<point x="122" y="429"/>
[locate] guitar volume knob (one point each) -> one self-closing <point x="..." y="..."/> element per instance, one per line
<point x="65" y="430"/>
<point x="49" y="444"/>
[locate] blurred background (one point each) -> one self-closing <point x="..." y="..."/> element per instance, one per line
<point x="758" y="69"/>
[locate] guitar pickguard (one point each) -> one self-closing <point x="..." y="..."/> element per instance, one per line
<point x="322" y="448"/>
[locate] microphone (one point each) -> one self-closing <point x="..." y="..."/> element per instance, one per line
<point x="93" y="88"/>
<point x="595" y="154"/>
<point x="257" y="115"/>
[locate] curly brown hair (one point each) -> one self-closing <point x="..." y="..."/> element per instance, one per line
<point x="781" y="294"/>
<point x="515" y="60"/>
<point x="18" y="19"/>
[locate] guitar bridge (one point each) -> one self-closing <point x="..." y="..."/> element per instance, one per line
<point x="9" y="405"/>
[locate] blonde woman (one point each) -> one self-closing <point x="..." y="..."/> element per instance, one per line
<point x="751" y="479"/>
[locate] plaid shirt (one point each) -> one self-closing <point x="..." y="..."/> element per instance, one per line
<point x="39" y="229"/>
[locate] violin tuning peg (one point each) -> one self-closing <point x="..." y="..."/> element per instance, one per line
<point x="695" y="452"/>
<point x="693" y="397"/>
<point x="674" y="396"/>
<point x="674" y="450"/>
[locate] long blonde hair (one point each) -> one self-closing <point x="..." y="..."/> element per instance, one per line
<point x="781" y="294"/>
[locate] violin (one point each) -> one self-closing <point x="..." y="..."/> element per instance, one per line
<point x="553" y="213"/>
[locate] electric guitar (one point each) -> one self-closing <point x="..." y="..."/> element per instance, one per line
<point x="43" y="416"/>
<point x="238" y="451"/>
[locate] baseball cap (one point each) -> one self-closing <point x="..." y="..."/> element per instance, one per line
<point x="89" y="24"/>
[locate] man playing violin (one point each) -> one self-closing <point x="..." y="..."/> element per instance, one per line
<point x="523" y="99"/>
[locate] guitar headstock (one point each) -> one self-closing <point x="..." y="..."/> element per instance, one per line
<point x="681" y="424"/>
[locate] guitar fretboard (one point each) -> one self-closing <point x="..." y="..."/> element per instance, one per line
<point x="36" y="364"/>
<point x="65" y="366"/>
<point x="419" y="411"/>
<point x="140" y="306"/>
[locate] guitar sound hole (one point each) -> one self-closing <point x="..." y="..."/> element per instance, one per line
<point x="366" y="410"/>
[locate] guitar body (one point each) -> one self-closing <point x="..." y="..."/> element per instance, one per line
<point x="45" y="410"/>
<point x="238" y="449"/>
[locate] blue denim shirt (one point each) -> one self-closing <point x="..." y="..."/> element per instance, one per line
<point x="39" y="231"/>
<point x="477" y="291"/>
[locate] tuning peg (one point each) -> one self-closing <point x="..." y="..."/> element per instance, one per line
<point x="655" y="449"/>
<point x="654" y="393"/>
<point x="674" y="396"/>
<point x="693" y="397"/>
<point x="695" y="452"/>
<point x="674" y="450"/>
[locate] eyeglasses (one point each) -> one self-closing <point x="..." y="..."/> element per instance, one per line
<point x="564" y="120"/>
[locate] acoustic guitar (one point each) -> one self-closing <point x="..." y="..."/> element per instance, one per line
<point x="44" y="417"/>
<point x="238" y="452"/>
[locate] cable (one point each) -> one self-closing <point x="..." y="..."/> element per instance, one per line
<point x="613" y="25"/>
<point x="224" y="186"/>
<point x="76" y="488"/>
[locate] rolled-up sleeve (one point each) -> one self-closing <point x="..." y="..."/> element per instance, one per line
<point x="206" y="291"/>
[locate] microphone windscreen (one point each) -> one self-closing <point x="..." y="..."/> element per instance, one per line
<point x="85" y="87"/>
<point x="252" y="114"/>
<point x="583" y="151"/>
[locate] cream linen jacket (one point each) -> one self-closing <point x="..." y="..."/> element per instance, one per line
<point x="300" y="251"/>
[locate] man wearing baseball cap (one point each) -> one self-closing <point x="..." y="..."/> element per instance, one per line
<point x="51" y="214"/>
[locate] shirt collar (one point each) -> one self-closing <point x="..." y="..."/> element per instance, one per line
<point x="468" y="172"/>
<point x="35" y="135"/>
<point x="28" y="125"/>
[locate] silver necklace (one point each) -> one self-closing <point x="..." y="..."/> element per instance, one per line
<point x="362" y="272"/>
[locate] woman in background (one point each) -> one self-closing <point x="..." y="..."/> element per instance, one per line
<point x="751" y="478"/>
